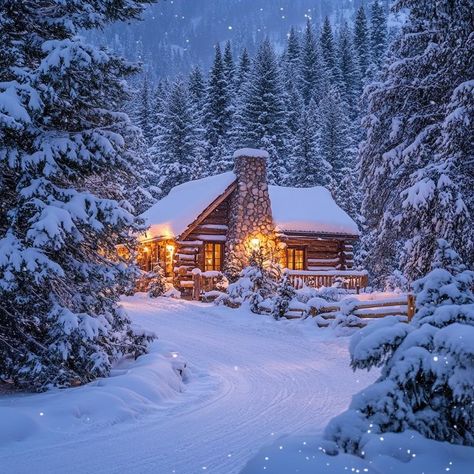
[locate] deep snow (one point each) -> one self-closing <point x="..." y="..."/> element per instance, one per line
<point x="252" y="380"/>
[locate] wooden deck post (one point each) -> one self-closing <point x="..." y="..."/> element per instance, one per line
<point x="197" y="286"/>
<point x="411" y="306"/>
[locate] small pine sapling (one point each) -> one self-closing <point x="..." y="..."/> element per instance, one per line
<point x="157" y="284"/>
<point x="285" y="294"/>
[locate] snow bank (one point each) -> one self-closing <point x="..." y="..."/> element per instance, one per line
<point x="170" y="216"/>
<point x="406" y="452"/>
<point x="134" y="387"/>
<point x="309" y="210"/>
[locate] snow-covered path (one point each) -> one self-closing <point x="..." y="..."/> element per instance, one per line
<point x="265" y="379"/>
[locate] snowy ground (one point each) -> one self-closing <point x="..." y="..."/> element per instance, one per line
<point x="251" y="381"/>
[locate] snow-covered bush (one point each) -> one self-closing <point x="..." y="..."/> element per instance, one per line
<point x="397" y="282"/>
<point x="67" y="176"/>
<point x="256" y="285"/>
<point x="284" y="296"/>
<point x="345" y="320"/>
<point x="427" y="378"/>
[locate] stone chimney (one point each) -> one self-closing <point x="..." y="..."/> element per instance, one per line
<point x="250" y="212"/>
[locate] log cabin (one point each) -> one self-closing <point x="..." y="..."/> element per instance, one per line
<point x="213" y="223"/>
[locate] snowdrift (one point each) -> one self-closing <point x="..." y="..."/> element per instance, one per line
<point x="134" y="388"/>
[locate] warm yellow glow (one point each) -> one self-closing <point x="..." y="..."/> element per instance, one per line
<point x="146" y="249"/>
<point x="170" y="248"/>
<point x="255" y="243"/>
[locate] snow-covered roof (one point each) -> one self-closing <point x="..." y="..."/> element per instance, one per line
<point x="170" y="216"/>
<point x="309" y="210"/>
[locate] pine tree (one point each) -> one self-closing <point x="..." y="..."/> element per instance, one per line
<point x="378" y="33"/>
<point x="218" y="116"/>
<point x="415" y="165"/>
<point x="264" y="113"/>
<point x="243" y="70"/>
<point x="350" y="74"/>
<point x="285" y="294"/>
<point x="328" y="49"/>
<point x="425" y="382"/>
<point x="312" y="75"/>
<point x="65" y="178"/>
<point x="178" y="139"/>
<point x="144" y="119"/>
<point x="335" y="133"/>
<point x="362" y="43"/>
<point x="291" y="59"/>
<point x="229" y="69"/>
<point x="197" y="88"/>
<point x="197" y="97"/>
<point x="309" y="168"/>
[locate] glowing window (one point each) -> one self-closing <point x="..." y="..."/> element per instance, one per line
<point x="295" y="258"/>
<point x="213" y="257"/>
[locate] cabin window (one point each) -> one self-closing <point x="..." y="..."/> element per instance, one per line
<point x="213" y="257"/>
<point x="151" y="254"/>
<point x="295" y="258"/>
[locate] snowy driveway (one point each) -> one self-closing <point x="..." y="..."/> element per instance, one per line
<point x="265" y="379"/>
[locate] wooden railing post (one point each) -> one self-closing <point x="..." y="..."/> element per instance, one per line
<point x="197" y="286"/>
<point x="411" y="306"/>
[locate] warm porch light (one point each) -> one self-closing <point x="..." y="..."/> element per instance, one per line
<point x="170" y="248"/>
<point x="255" y="243"/>
<point x="146" y="249"/>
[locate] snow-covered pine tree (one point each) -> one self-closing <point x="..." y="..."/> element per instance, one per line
<point x="416" y="167"/>
<point x="308" y="166"/>
<point x="157" y="283"/>
<point x="285" y="294"/>
<point x="145" y="112"/>
<point x="328" y="49"/>
<point x="362" y="43"/>
<point x="237" y="131"/>
<point x="336" y="135"/>
<point x="62" y="145"/>
<point x="243" y="70"/>
<point x="197" y="88"/>
<point x="179" y="139"/>
<point x="197" y="96"/>
<point x="350" y="74"/>
<point x="264" y="111"/>
<point x="378" y="33"/>
<point x="291" y="59"/>
<point x="312" y="71"/>
<point x="426" y="380"/>
<point x="218" y="116"/>
<point x="291" y="68"/>
<point x="229" y="70"/>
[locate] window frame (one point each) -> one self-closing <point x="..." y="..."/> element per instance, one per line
<point x="216" y="255"/>
<point x="293" y="249"/>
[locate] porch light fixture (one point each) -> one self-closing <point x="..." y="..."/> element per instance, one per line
<point x="170" y="248"/>
<point x="255" y="243"/>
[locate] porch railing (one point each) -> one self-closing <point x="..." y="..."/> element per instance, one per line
<point x="350" y="279"/>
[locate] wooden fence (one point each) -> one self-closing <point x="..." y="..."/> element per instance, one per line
<point x="369" y="309"/>
<point x="350" y="279"/>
